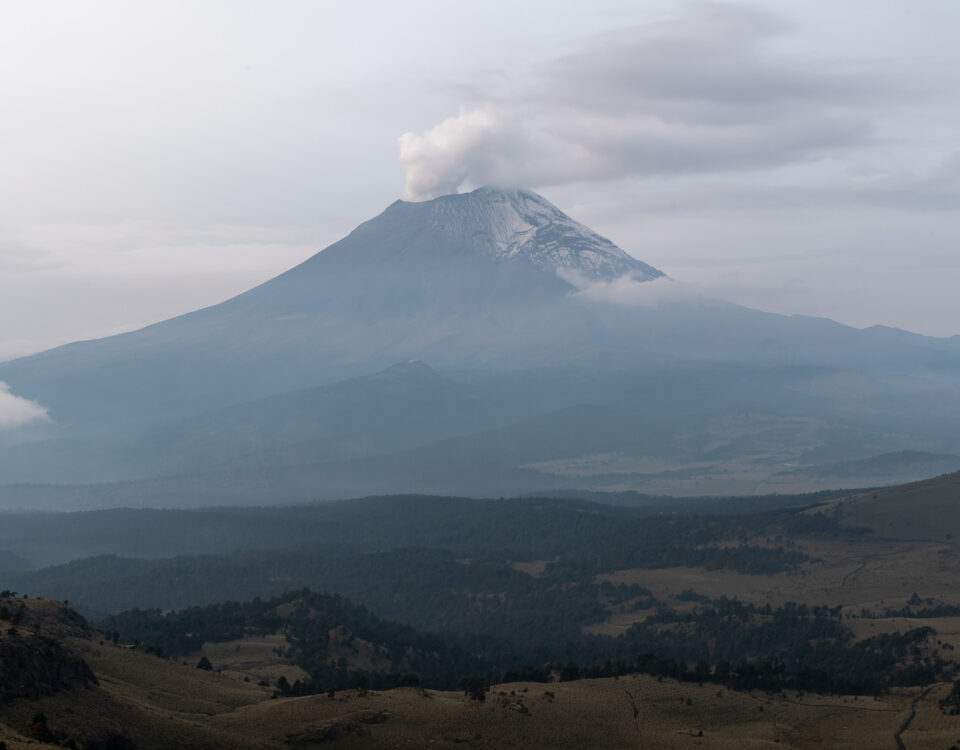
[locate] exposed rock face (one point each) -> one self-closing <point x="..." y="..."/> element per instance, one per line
<point x="32" y="666"/>
<point x="54" y="619"/>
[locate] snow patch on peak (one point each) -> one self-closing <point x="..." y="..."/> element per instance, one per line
<point x="519" y="225"/>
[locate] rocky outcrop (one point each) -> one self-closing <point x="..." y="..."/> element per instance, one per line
<point x="53" y="618"/>
<point x="34" y="665"/>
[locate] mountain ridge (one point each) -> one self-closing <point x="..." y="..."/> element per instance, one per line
<point x="467" y="282"/>
<point x="522" y="225"/>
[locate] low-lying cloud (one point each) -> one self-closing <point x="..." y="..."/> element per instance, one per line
<point x="16" y="411"/>
<point x="627" y="291"/>
<point x="697" y="94"/>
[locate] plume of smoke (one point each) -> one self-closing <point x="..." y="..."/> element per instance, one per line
<point x="698" y="94"/>
<point x="16" y="411"/>
<point x="480" y="146"/>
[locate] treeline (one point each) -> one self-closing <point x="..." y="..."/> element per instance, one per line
<point x="743" y="646"/>
<point x="469" y="587"/>
<point x="307" y="620"/>
<point x="520" y="529"/>
<point x="423" y="584"/>
<point x="659" y="552"/>
<point x="428" y="589"/>
<point x="869" y="667"/>
<point x="917" y="608"/>
<point x="805" y="648"/>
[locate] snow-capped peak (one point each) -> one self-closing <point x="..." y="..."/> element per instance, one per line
<point x="521" y="225"/>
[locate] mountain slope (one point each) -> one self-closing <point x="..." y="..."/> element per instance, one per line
<point x="694" y="431"/>
<point x="895" y="468"/>
<point x="927" y="510"/>
<point x="466" y="278"/>
<point x="401" y="407"/>
<point x="485" y="280"/>
<point x="513" y="226"/>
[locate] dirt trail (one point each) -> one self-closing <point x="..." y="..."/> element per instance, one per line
<point x="843" y="582"/>
<point x="914" y="710"/>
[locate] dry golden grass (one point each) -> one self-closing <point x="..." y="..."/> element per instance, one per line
<point x="253" y="657"/>
<point x="162" y="704"/>
<point x="163" y="683"/>
<point x="871" y="575"/>
<point x="629" y="712"/>
<point x="635" y="711"/>
<point x="920" y="510"/>
<point x="156" y="702"/>
<point x="932" y="729"/>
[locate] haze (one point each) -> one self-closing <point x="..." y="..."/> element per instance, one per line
<point x="159" y="157"/>
<point x="536" y="375"/>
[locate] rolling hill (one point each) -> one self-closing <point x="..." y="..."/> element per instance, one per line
<point x="928" y="510"/>
<point x="132" y="699"/>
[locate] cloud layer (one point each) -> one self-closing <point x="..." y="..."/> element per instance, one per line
<point x="698" y="94"/>
<point x="627" y="291"/>
<point x="16" y="411"/>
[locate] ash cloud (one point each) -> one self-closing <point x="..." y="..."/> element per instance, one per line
<point x="697" y="94"/>
<point x="16" y="411"/>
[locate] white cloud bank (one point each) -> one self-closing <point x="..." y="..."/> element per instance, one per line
<point x="16" y="411"/>
<point x="627" y="291"/>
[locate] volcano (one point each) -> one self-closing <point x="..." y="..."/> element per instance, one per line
<point x="491" y="280"/>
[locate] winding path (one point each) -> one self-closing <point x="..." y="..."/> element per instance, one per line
<point x="914" y="710"/>
<point x="860" y="567"/>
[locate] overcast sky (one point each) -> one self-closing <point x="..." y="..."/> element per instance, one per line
<point x="156" y="157"/>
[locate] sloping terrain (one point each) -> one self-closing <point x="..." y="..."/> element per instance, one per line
<point x="145" y="702"/>
<point x="404" y="406"/>
<point x="537" y="577"/>
<point x="491" y="282"/>
<point x="463" y="280"/>
<point x="898" y="467"/>
<point x="728" y="431"/>
<point x="929" y="509"/>
<point x="583" y="641"/>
